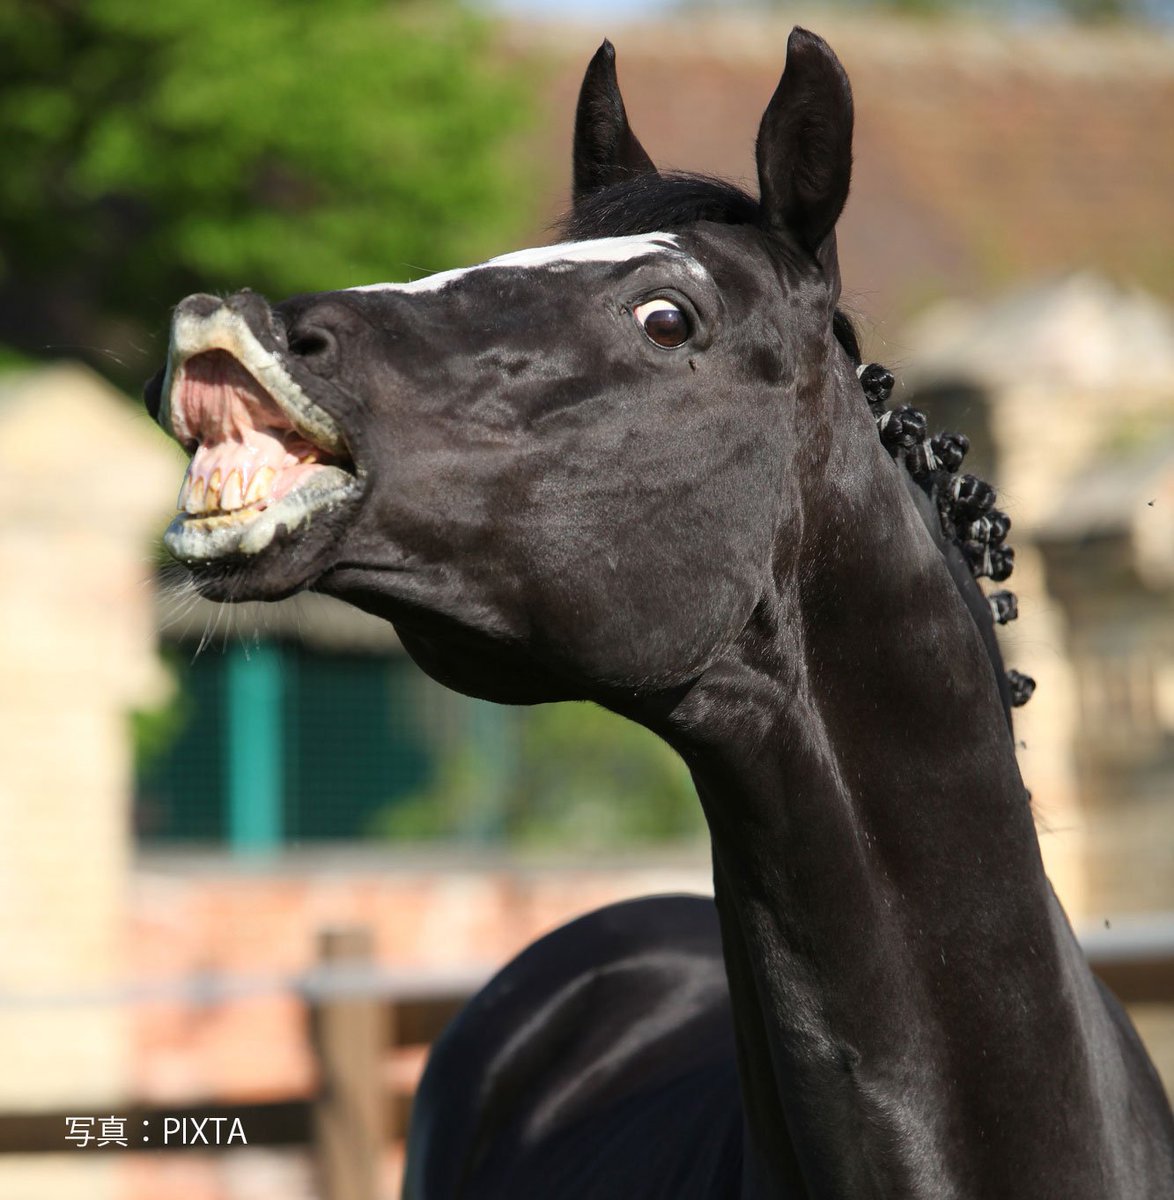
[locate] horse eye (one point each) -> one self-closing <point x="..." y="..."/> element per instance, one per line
<point x="663" y="322"/>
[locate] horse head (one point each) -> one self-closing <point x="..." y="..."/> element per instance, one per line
<point x="578" y="470"/>
<point x="584" y="460"/>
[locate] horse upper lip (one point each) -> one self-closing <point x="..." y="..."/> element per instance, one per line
<point x="203" y="323"/>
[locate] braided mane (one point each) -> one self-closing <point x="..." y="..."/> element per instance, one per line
<point x="968" y="524"/>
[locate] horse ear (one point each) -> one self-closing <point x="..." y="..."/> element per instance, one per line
<point x="606" y="150"/>
<point x="804" y="146"/>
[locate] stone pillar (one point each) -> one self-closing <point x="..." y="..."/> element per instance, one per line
<point x="81" y="479"/>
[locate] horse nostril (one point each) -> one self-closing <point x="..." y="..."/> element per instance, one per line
<point x="316" y="346"/>
<point x="316" y="331"/>
<point x="308" y="342"/>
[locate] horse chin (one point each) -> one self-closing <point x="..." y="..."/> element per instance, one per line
<point x="286" y="558"/>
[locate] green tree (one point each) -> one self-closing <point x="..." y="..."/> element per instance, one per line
<point x="151" y="150"/>
<point x="575" y="775"/>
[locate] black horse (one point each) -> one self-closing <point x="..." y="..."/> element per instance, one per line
<point x="640" y="468"/>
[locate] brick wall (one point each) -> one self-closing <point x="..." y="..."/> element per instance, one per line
<point x="193" y="916"/>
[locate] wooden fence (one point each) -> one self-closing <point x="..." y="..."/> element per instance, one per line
<point x="359" y="1022"/>
<point x="361" y="1025"/>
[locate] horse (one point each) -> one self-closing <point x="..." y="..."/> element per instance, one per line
<point x="641" y="468"/>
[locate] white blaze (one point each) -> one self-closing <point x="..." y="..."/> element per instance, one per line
<point x="616" y="249"/>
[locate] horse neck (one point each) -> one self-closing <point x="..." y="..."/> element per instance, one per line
<point x="891" y="941"/>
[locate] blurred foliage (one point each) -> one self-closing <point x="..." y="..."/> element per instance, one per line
<point x="558" y="774"/>
<point x="152" y="150"/>
<point x="12" y="359"/>
<point x="154" y="729"/>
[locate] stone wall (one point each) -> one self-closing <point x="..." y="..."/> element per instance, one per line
<point x="80" y="479"/>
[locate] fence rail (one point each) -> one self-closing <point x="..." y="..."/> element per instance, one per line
<point x="359" y="1015"/>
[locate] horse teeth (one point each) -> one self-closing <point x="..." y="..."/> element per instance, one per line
<point x="260" y="484"/>
<point x="230" y="493"/>
<point x="195" y="495"/>
<point x="220" y="493"/>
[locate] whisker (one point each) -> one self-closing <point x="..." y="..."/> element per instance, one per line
<point x="74" y="347"/>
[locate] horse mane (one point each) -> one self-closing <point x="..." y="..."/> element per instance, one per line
<point x="960" y="513"/>
<point x="663" y="200"/>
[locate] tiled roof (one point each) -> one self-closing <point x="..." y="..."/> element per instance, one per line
<point x="983" y="154"/>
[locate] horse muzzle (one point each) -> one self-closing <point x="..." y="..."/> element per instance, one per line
<point x="265" y="457"/>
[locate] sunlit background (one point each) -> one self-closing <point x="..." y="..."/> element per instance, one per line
<point x="199" y="804"/>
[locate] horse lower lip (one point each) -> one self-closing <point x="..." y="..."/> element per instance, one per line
<point x="206" y="538"/>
